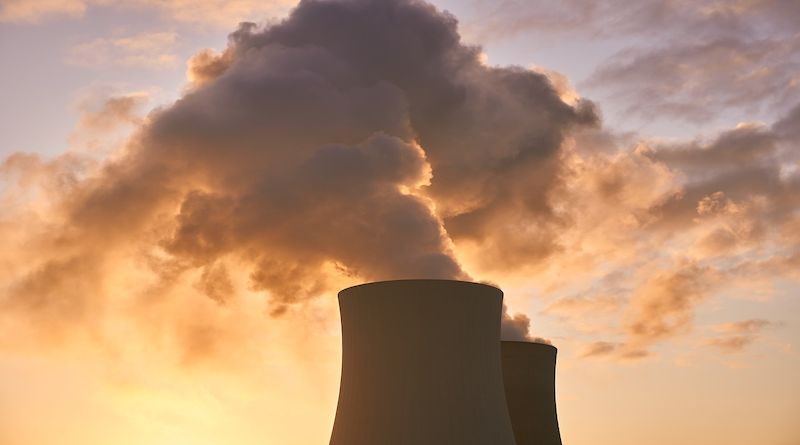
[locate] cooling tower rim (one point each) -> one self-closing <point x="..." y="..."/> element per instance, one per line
<point x="530" y="343"/>
<point x="419" y="280"/>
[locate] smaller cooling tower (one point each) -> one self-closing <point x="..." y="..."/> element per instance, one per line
<point x="529" y="373"/>
<point x="421" y="365"/>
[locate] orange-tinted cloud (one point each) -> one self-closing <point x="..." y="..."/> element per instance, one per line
<point x="305" y="157"/>
<point x="145" y="50"/>
<point x="206" y="65"/>
<point x="309" y="155"/>
<point x="103" y="110"/>
<point x="595" y="304"/>
<point x="517" y="328"/>
<point x="730" y="345"/>
<point x="617" y="351"/>
<point x="745" y="326"/>
<point x="35" y="11"/>
<point x="663" y="305"/>
<point x="213" y="12"/>
<point x="744" y="333"/>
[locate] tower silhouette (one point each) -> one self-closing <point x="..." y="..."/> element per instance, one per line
<point x="529" y="372"/>
<point x="421" y="365"/>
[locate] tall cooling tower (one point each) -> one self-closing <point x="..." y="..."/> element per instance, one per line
<point x="421" y="365"/>
<point x="529" y="373"/>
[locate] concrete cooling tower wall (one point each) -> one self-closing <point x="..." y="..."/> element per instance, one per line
<point x="529" y="373"/>
<point x="421" y="365"/>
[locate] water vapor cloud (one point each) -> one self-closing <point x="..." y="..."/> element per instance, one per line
<point x="363" y="140"/>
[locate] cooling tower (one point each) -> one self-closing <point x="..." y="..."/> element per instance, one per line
<point x="421" y="365"/>
<point x="529" y="373"/>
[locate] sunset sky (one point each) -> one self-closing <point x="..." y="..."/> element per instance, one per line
<point x="182" y="195"/>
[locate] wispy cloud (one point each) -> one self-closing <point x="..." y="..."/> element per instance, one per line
<point x="682" y="61"/>
<point x="146" y="50"/>
<point x="696" y="80"/>
<point x="658" y="18"/>
<point x="730" y="345"/>
<point x="745" y="326"/>
<point x="616" y="351"/>
<point x="31" y="11"/>
<point x="663" y="306"/>
<point x="742" y="334"/>
<point x="204" y="12"/>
